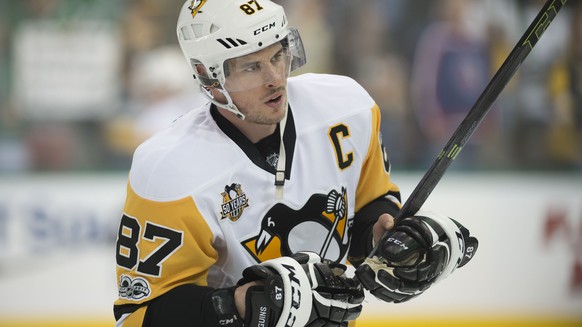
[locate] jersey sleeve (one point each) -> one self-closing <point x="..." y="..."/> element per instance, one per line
<point x="375" y="193"/>
<point x="161" y="247"/>
<point x="375" y="175"/>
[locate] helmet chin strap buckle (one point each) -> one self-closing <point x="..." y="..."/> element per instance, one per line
<point x="280" y="178"/>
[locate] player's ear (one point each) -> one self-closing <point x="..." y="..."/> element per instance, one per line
<point x="200" y="69"/>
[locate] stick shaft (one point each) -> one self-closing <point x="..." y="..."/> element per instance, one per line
<point x="481" y="107"/>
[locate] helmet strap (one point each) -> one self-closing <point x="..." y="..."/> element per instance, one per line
<point x="282" y="161"/>
<point x="229" y="105"/>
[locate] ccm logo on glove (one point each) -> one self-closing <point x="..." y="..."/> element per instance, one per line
<point x="295" y="294"/>
<point x="397" y="242"/>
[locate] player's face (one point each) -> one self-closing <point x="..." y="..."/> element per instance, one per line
<point x="257" y="84"/>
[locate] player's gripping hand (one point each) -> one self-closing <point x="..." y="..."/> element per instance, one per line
<point x="418" y="252"/>
<point x="301" y="290"/>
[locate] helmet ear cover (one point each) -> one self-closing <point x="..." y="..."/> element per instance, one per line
<point x="201" y="74"/>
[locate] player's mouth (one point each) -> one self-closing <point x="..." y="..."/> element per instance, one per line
<point x="275" y="100"/>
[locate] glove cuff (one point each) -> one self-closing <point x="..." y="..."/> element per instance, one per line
<point x="225" y="308"/>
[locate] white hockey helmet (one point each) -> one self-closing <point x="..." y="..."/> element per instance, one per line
<point x="213" y="32"/>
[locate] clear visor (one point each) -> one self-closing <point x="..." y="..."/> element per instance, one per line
<point x="268" y="65"/>
<point x="263" y="67"/>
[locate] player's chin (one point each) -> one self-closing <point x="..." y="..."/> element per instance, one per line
<point x="274" y="116"/>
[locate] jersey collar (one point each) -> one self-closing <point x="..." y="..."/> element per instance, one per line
<point x="250" y="149"/>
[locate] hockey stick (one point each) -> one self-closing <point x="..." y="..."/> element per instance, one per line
<point x="451" y="150"/>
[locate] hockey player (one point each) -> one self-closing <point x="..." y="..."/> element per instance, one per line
<point x="244" y="212"/>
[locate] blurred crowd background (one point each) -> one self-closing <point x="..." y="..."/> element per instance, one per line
<point x="83" y="82"/>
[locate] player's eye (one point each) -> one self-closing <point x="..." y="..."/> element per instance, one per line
<point x="252" y="67"/>
<point x="277" y="57"/>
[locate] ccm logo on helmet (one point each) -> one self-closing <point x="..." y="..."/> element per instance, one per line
<point x="264" y="28"/>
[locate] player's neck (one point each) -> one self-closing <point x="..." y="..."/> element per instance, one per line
<point x="253" y="131"/>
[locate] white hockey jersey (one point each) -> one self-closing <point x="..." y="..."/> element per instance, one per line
<point x="200" y="208"/>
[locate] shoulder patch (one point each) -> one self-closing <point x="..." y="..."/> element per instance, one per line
<point x="234" y="201"/>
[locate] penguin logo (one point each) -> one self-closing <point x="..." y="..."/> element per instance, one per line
<point x="320" y="226"/>
<point x="234" y="202"/>
<point x="195" y="6"/>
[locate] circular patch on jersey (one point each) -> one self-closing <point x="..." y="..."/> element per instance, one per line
<point x="133" y="288"/>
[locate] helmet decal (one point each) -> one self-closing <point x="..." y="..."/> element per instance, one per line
<point x="249" y="9"/>
<point x="231" y="43"/>
<point x="195" y="6"/>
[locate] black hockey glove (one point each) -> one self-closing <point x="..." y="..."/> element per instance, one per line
<point x="418" y="252"/>
<point x="301" y="290"/>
